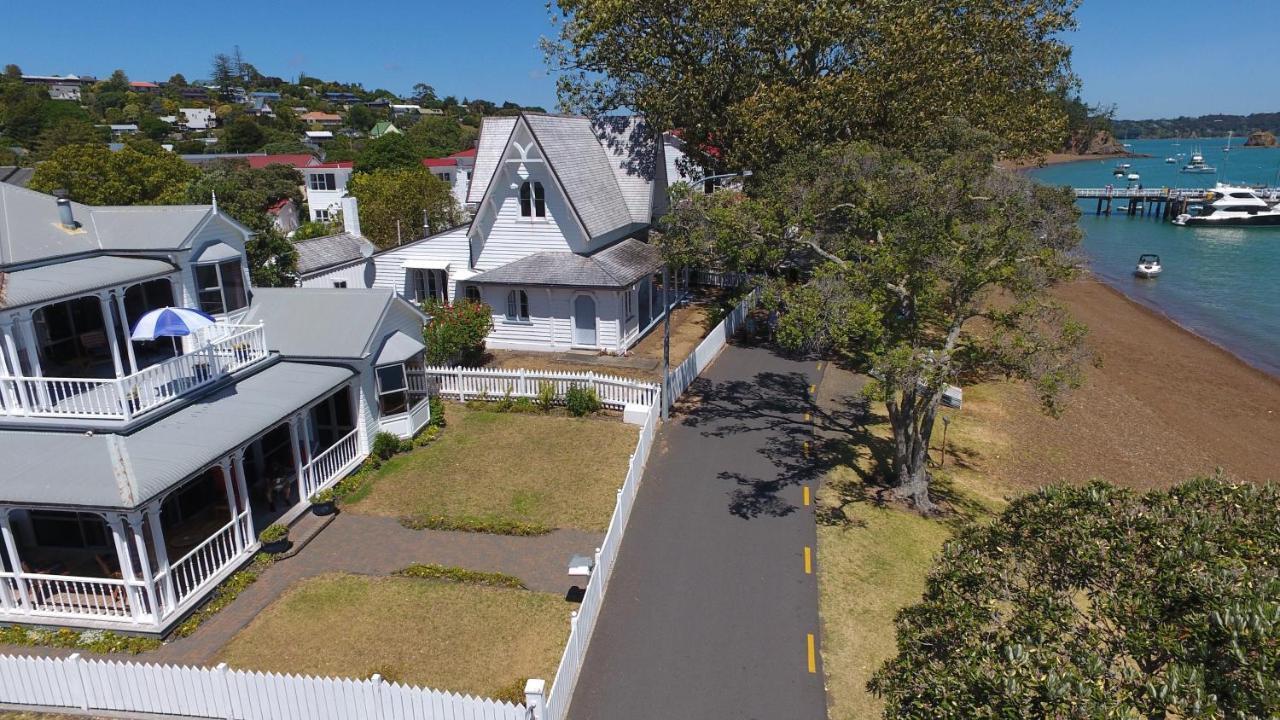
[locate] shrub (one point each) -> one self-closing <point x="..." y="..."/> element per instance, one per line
<point x="327" y="495"/>
<point x="546" y="396"/>
<point x="427" y="436"/>
<point x="456" y="332"/>
<point x="385" y="445"/>
<point x="490" y="525"/>
<point x="437" y="412"/>
<point x="524" y="405"/>
<point x="581" y="400"/>
<point x="273" y="533"/>
<point x="461" y="575"/>
<point x="513" y="693"/>
<point x="98" y="641"/>
<point x="506" y="403"/>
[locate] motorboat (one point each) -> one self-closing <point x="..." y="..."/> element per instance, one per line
<point x="1231" y="205"/>
<point x="1148" y="266"/>
<point x="1121" y="169"/>
<point x="1133" y="177"/>
<point x="1197" y="165"/>
<point x="1170" y="160"/>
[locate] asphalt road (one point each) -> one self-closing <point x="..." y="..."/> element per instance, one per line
<point x="710" y="608"/>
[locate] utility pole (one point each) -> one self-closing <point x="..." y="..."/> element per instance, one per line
<point x="666" y="343"/>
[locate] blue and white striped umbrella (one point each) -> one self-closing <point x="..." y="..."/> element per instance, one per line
<point x="170" y="322"/>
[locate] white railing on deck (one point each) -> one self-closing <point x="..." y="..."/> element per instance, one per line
<point x="209" y="558"/>
<point x="69" y="596"/>
<point x="686" y="372"/>
<point x="329" y="466"/>
<point x="583" y="622"/>
<point x="149" y="388"/>
<point x="219" y="692"/>
<point x="494" y="383"/>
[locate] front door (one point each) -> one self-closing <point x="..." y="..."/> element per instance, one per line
<point x="584" y="321"/>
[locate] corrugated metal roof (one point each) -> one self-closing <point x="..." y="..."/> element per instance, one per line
<point x="398" y="348"/>
<point x="114" y="471"/>
<point x="30" y="230"/>
<point x="326" y="252"/>
<point x="34" y="285"/>
<point x="617" y="266"/>
<point x="337" y="323"/>
<point x="494" y="134"/>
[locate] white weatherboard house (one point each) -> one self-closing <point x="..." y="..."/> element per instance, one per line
<point x="556" y="246"/>
<point x="136" y="475"/>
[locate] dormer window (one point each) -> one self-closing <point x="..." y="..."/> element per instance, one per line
<point x="533" y="200"/>
<point x="220" y="287"/>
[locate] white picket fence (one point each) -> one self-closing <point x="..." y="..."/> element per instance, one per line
<point x="494" y="383"/>
<point x="583" y="622"/>
<point x="681" y="377"/>
<point x="199" y="692"/>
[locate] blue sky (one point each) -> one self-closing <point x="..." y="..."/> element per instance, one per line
<point x="1150" y="59"/>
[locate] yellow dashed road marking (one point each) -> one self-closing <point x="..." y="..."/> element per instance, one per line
<point x="813" y="661"/>
<point x="806" y="496"/>
<point x="808" y="560"/>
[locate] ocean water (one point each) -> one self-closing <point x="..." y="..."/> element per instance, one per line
<point x="1221" y="283"/>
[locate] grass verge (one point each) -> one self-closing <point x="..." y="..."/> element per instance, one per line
<point x="461" y="575"/>
<point x="445" y="635"/>
<point x="506" y="473"/>
<point x="96" y="641"/>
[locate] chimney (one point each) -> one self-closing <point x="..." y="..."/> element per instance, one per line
<point x="65" y="215"/>
<point x="351" y="216"/>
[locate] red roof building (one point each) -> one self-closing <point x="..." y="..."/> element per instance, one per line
<point x="298" y="160"/>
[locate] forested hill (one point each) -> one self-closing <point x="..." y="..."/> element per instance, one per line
<point x="1203" y="126"/>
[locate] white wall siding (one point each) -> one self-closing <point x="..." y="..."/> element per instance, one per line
<point x="452" y="247"/>
<point x="551" y="320"/>
<point x="359" y="274"/>
<point x="511" y="237"/>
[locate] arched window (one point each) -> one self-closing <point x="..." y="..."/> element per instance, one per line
<point x="533" y="200"/>
<point x="473" y="293"/>
<point x="517" y="306"/>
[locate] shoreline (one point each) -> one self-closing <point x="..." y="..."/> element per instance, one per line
<point x="1062" y="159"/>
<point x="1156" y="313"/>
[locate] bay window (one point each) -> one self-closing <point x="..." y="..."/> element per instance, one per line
<point x="393" y="390"/>
<point x="220" y="287"/>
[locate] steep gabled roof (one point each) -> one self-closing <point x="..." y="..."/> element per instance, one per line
<point x="495" y="135"/>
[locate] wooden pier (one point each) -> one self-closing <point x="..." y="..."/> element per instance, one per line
<point x="1164" y="203"/>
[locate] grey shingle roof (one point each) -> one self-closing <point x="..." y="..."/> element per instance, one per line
<point x="336" y="323"/>
<point x="125" y="471"/>
<point x="316" y="254"/>
<point x="33" y="285"/>
<point x="30" y="231"/>
<point x="494" y="133"/>
<point x="616" y="266"/>
<point x="19" y="176"/>
<point x="581" y="163"/>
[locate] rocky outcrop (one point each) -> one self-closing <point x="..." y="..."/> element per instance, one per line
<point x="1261" y="138"/>
<point x="1101" y="142"/>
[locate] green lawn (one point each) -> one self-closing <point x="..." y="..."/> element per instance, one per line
<point x="443" y="635"/>
<point x="551" y="471"/>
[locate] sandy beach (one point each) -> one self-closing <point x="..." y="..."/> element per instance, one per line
<point x="1164" y="405"/>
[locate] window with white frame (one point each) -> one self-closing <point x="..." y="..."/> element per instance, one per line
<point x="473" y="293"/>
<point x="322" y="215"/>
<point x="322" y="181"/>
<point x="533" y="200"/>
<point x="393" y="389"/>
<point x="430" y="285"/>
<point x="220" y="287"/>
<point x="628" y="304"/>
<point x="339" y="283"/>
<point x="517" y="306"/>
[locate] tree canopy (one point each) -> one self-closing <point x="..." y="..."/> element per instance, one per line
<point x="761" y="79"/>
<point x="392" y="151"/>
<point x="1098" y="602"/>
<point x="393" y="203"/>
<point x="924" y="270"/>
<point x="245" y="193"/>
<point x="439" y="135"/>
<point x="95" y="175"/>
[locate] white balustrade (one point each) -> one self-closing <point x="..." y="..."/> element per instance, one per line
<point x="206" y="560"/>
<point x="234" y="348"/>
<point x="329" y="466"/>
<point x="68" y="596"/>
<point x="495" y="383"/>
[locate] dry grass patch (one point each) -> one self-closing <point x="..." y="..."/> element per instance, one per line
<point x="448" y="636"/>
<point x="503" y="468"/>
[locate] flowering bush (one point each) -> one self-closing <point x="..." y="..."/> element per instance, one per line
<point x="456" y="331"/>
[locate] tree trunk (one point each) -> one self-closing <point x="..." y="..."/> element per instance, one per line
<point x="912" y="428"/>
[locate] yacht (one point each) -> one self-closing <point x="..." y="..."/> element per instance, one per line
<point x="1120" y="170"/>
<point x="1231" y="205"/>
<point x="1148" y="266"/>
<point x="1197" y="165"/>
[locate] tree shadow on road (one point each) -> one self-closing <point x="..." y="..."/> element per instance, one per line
<point x="800" y="439"/>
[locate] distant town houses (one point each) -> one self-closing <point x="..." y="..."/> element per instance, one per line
<point x="324" y="183"/>
<point x="61" y="87"/>
<point x="323" y="119"/>
<point x="456" y="170"/>
<point x="197" y="119"/>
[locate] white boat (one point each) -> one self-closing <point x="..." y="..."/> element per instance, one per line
<point x="1231" y="206"/>
<point x="1197" y="165"/>
<point x="1133" y="177"/>
<point x="1170" y="160"/>
<point x="1148" y="266"/>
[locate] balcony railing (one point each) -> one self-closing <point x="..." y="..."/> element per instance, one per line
<point x="234" y="347"/>
<point x="332" y="464"/>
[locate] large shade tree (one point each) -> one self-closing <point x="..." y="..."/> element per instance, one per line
<point x="923" y="271"/>
<point x="139" y="174"/>
<point x="760" y="79"/>
<point x="395" y="203"/>
<point x="1097" y="602"/>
